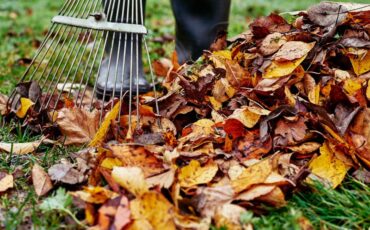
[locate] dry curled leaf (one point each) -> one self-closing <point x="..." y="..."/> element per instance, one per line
<point x="20" y="148"/>
<point x="6" y="181"/>
<point x="41" y="180"/>
<point x="77" y="125"/>
<point x="131" y="178"/>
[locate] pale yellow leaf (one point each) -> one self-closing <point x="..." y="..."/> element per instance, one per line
<point x="41" y="180"/>
<point x="94" y="195"/>
<point x="131" y="178"/>
<point x="228" y="216"/>
<point x="6" y="182"/>
<point x="20" y="148"/>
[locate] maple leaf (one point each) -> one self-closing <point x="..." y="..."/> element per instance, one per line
<point x="77" y="125"/>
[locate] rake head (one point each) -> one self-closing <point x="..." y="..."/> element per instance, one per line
<point x="87" y="40"/>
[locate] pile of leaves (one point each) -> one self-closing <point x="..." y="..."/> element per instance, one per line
<point x="242" y="128"/>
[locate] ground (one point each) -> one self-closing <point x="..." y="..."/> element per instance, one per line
<point x="23" y="24"/>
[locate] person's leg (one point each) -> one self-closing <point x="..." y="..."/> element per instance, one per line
<point x="116" y="68"/>
<point x="197" y="25"/>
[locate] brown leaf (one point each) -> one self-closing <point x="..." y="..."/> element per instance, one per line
<point x="77" y="125"/>
<point x="6" y="181"/>
<point x="20" y="148"/>
<point x="290" y="133"/>
<point x="263" y="26"/>
<point x="67" y="173"/>
<point x="41" y="180"/>
<point x="3" y="104"/>
<point x="272" y="43"/>
<point x="327" y="13"/>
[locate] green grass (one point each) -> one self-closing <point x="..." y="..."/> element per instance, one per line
<point x="23" y="23"/>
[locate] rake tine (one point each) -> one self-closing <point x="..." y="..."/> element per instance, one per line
<point x="130" y="82"/>
<point x="137" y="66"/>
<point x="83" y="52"/>
<point x="100" y="63"/>
<point x="123" y="64"/>
<point x="70" y="68"/>
<point x="153" y="81"/>
<point x="60" y="63"/>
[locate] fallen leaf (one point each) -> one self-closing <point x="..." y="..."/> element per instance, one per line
<point x="77" y="125"/>
<point x="328" y="167"/>
<point x="26" y="104"/>
<point x="281" y="69"/>
<point x="194" y="174"/>
<point x="131" y="178"/>
<point x="104" y="127"/>
<point x="67" y="173"/>
<point x="94" y="195"/>
<point x="20" y="148"/>
<point x="305" y="148"/>
<point x="360" y="60"/>
<point x="163" y="180"/>
<point x="293" y="50"/>
<point x="123" y="214"/>
<point x="255" y="192"/>
<point x="228" y="216"/>
<point x="271" y="43"/>
<point x="6" y="181"/>
<point x="41" y="180"/>
<point x="152" y="211"/>
<point x="327" y="13"/>
<point x="255" y="174"/>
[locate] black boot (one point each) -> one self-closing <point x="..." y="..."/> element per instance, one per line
<point x="116" y="69"/>
<point x="197" y="24"/>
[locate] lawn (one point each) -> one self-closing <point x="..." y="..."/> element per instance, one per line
<point x="23" y="23"/>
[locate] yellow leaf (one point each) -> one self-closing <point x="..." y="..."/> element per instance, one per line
<point x="94" y="195"/>
<point x="103" y="130"/>
<point x="360" y="61"/>
<point x="131" y="178"/>
<point x="6" y="182"/>
<point x="215" y="104"/>
<point x="247" y="116"/>
<point x="314" y="95"/>
<point x="281" y="69"/>
<point x="226" y="54"/>
<point x="368" y="90"/>
<point x="25" y="106"/>
<point x="194" y="174"/>
<point x="110" y="162"/>
<point x="152" y="211"/>
<point x="228" y="216"/>
<point x="352" y="85"/>
<point x="255" y="174"/>
<point x="328" y="166"/>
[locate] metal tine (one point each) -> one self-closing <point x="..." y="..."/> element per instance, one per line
<point x="130" y="81"/>
<point x="153" y="81"/>
<point x="42" y="85"/>
<point x="137" y="66"/>
<point x="102" y="56"/>
<point x="75" y="33"/>
<point x="65" y="6"/>
<point x="90" y="72"/>
<point x="119" y="51"/>
<point x="122" y="95"/>
<point x="65" y="66"/>
<point x="82" y="55"/>
<point x="52" y="54"/>
<point x="109" y="63"/>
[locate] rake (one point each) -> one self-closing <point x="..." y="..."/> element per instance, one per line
<point x="88" y="40"/>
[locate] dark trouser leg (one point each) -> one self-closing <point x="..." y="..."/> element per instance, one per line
<point x="197" y="25"/>
<point x="116" y="67"/>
